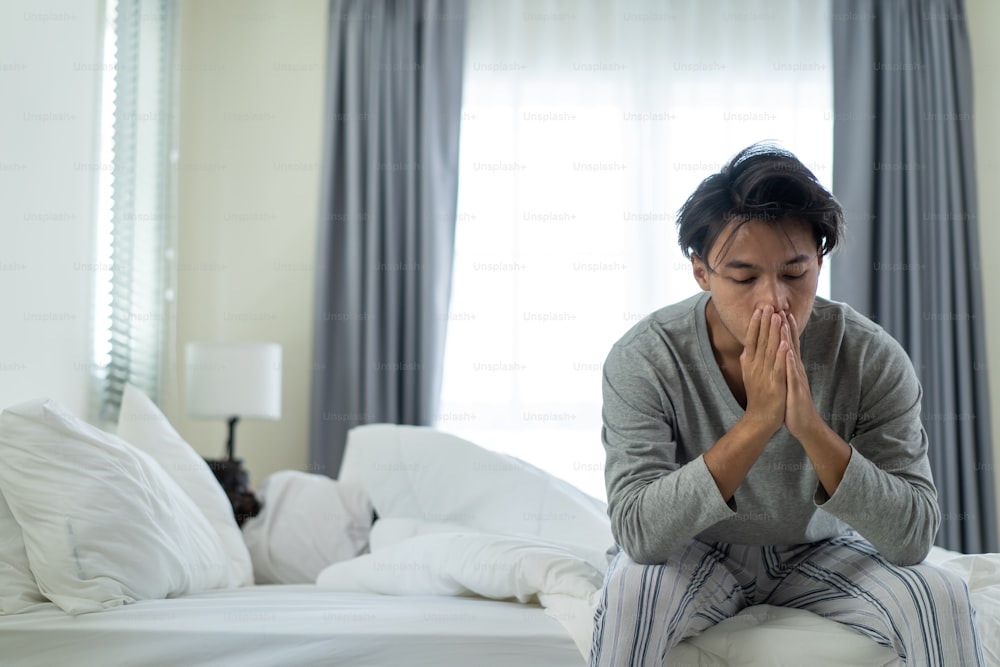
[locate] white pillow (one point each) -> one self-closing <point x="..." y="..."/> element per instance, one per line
<point x="307" y="522"/>
<point x="141" y="424"/>
<point x="103" y="524"/>
<point x="18" y="590"/>
<point x="416" y="472"/>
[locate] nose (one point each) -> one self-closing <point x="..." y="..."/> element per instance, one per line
<point x="773" y="292"/>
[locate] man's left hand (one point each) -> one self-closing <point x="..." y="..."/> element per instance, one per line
<point x="801" y="416"/>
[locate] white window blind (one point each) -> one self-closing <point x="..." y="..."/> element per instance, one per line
<point x="585" y="127"/>
<point x="133" y="310"/>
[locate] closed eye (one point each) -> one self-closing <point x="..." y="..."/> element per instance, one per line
<point x="749" y="281"/>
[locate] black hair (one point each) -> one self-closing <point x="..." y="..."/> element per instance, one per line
<point x="761" y="182"/>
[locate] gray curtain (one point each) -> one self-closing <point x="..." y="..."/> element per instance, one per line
<point x="387" y="216"/>
<point x="904" y="171"/>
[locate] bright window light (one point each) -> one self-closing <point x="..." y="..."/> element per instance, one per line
<point x="105" y="194"/>
<point x="575" y="155"/>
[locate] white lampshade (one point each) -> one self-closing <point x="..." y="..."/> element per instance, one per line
<point x="233" y="380"/>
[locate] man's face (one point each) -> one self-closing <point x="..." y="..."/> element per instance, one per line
<point x="761" y="264"/>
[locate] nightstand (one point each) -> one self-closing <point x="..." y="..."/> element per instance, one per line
<point x="235" y="481"/>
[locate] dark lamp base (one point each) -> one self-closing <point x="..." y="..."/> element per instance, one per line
<point x="231" y="474"/>
<point x="235" y="481"/>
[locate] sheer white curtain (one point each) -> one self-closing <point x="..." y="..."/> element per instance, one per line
<point x="585" y="126"/>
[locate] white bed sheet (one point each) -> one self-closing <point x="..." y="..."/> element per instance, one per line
<point x="305" y="625"/>
<point x="291" y="625"/>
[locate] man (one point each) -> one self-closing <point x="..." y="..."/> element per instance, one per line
<point x="764" y="446"/>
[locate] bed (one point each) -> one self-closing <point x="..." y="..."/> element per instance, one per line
<point x="292" y="625"/>
<point x="118" y="550"/>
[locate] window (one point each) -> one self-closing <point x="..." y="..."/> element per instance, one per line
<point x="133" y="288"/>
<point x="585" y="127"/>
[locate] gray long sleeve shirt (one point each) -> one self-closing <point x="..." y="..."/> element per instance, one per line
<point x="666" y="403"/>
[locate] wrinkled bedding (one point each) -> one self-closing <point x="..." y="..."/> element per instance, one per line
<point x="460" y="520"/>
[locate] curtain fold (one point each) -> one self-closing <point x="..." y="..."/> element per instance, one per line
<point x="904" y="171"/>
<point x="387" y="216"/>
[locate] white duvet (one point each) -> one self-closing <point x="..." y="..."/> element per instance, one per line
<point x="456" y="519"/>
<point x="434" y="559"/>
<point x="447" y="531"/>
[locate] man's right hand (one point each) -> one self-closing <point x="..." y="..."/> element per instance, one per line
<point x="763" y="364"/>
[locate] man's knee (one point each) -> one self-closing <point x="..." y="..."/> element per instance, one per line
<point x="622" y="567"/>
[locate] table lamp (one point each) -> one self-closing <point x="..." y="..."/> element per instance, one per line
<point x="233" y="381"/>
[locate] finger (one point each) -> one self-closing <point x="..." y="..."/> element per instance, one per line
<point x="794" y="335"/>
<point x="786" y="336"/>
<point x="798" y="382"/>
<point x="774" y="336"/>
<point x="791" y="372"/>
<point x="753" y="331"/>
<point x="765" y="328"/>
<point x="781" y="366"/>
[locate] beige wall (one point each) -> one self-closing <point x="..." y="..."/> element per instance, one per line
<point x="983" y="17"/>
<point x="251" y="91"/>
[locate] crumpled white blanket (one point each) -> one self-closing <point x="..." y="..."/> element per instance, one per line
<point x="413" y="558"/>
<point x="410" y="557"/>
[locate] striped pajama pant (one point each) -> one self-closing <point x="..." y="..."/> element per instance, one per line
<point x="921" y="612"/>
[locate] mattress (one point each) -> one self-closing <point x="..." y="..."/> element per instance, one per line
<point x="291" y="625"/>
<point x="480" y="525"/>
<point x="305" y="625"/>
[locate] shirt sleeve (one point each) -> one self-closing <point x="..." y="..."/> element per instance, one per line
<point x="887" y="493"/>
<point x="656" y="505"/>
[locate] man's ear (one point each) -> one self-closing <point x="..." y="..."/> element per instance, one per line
<point x="700" y="272"/>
